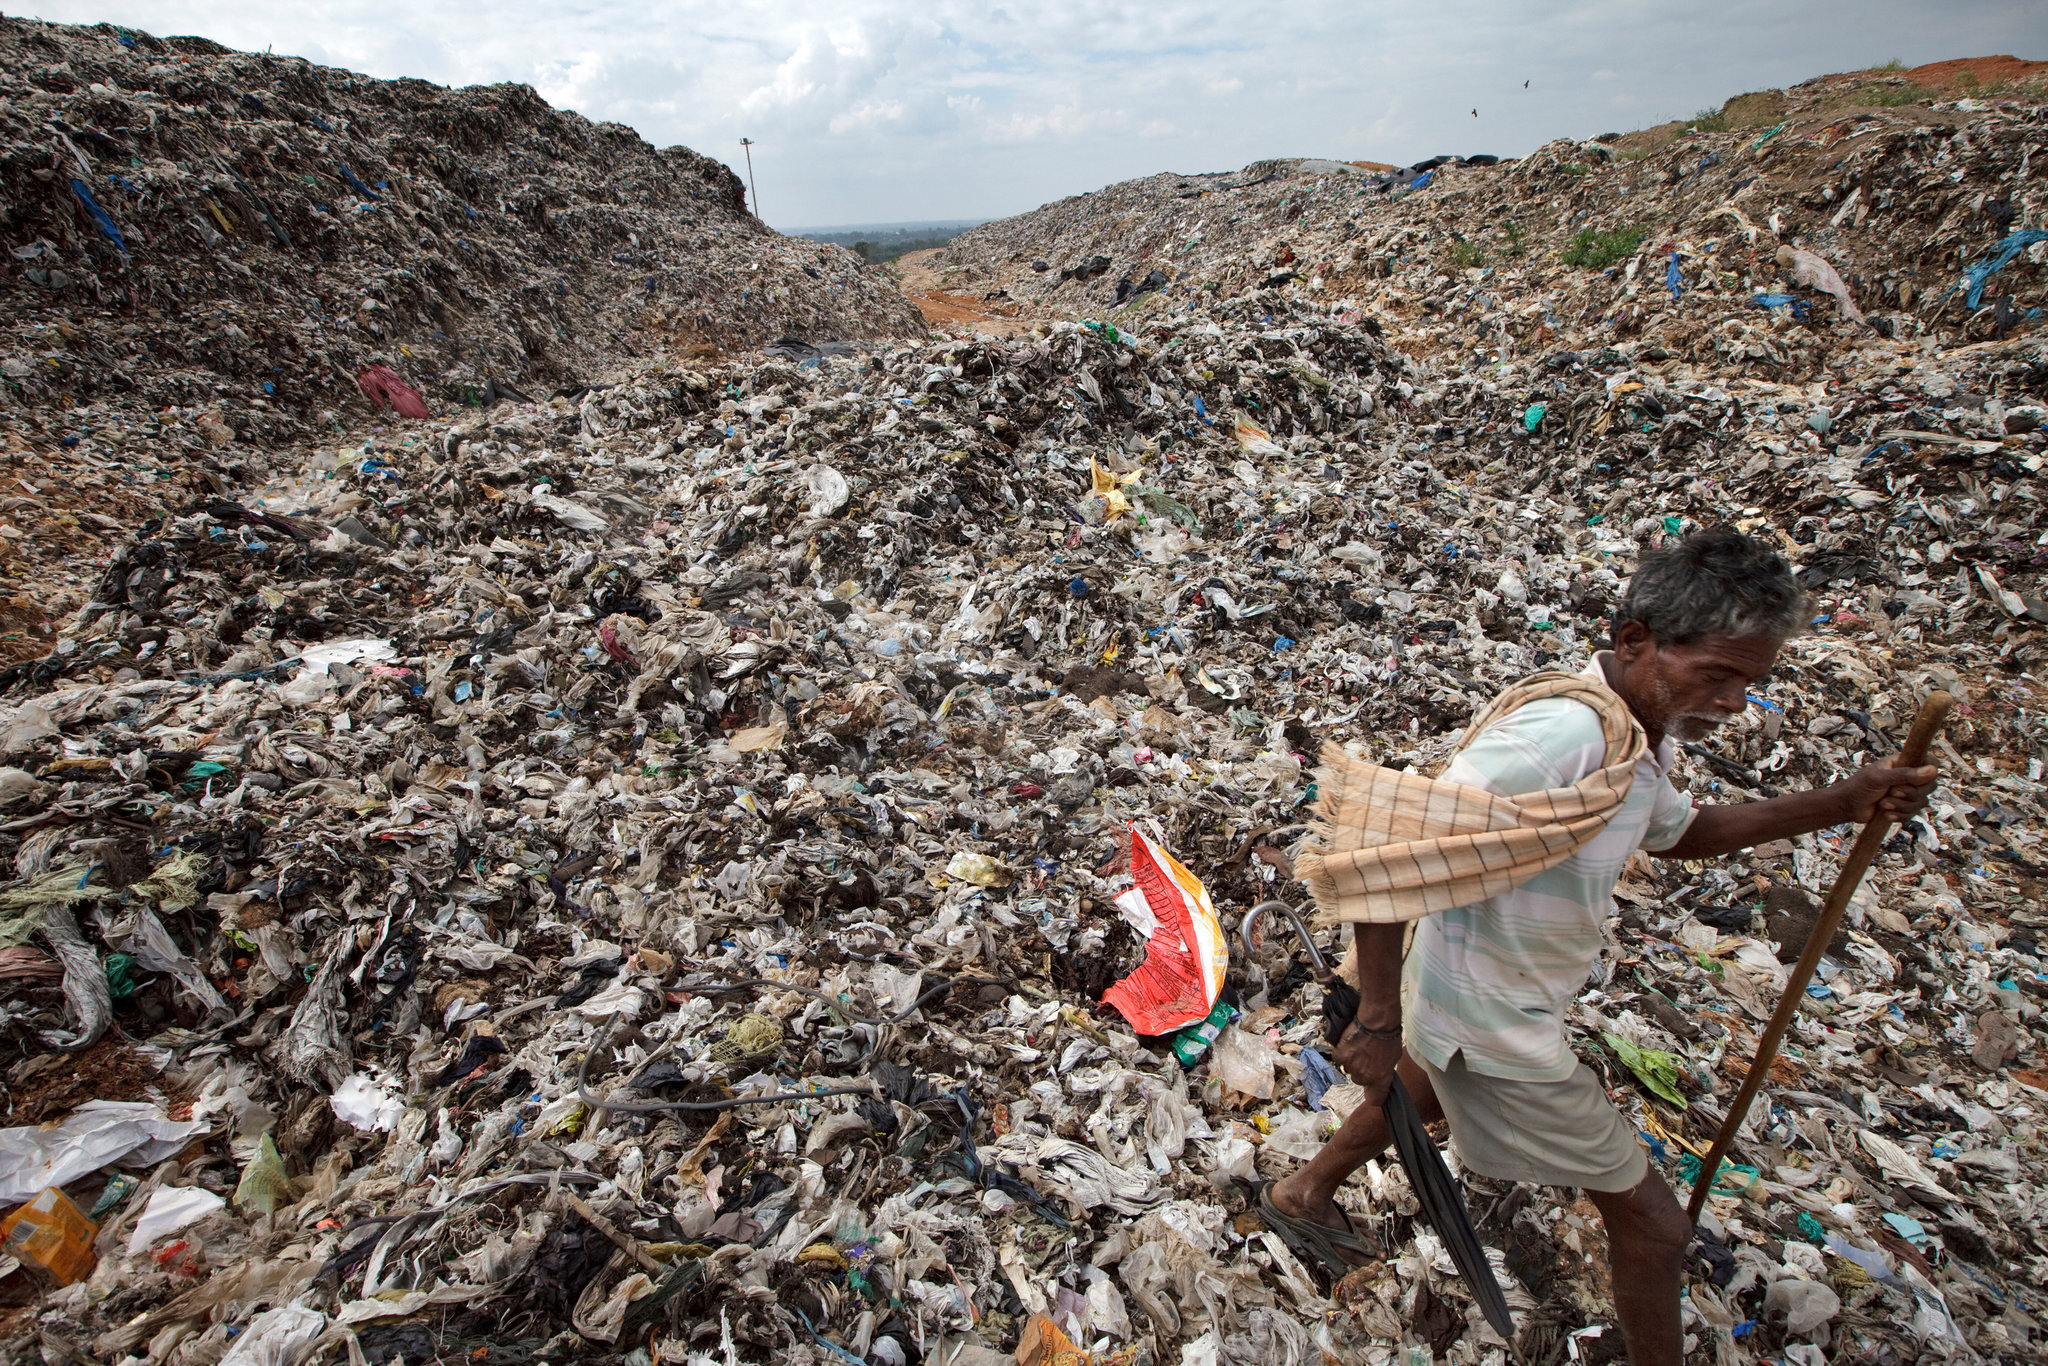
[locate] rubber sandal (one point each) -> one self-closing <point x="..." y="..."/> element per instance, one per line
<point x="1339" y="1250"/>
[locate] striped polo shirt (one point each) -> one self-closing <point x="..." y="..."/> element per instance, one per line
<point x="1492" y="980"/>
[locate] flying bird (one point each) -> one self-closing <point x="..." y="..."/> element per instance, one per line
<point x="1525" y="85"/>
<point x="1475" y="113"/>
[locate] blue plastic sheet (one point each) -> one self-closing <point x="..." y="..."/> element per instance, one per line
<point x="1673" y="279"/>
<point x="92" y="208"/>
<point x="364" y="190"/>
<point x="1907" y="1227"/>
<point x="1876" y="1264"/>
<point x="1318" y="1075"/>
<point x="1997" y="261"/>
<point x="1797" y="305"/>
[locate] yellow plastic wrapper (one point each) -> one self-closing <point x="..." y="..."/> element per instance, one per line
<point x="52" y="1233"/>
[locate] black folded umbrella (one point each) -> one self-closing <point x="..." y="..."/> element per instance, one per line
<point x="1443" y="1203"/>
<point x="1441" y="1196"/>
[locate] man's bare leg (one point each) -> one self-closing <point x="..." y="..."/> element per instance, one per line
<point x="1647" y="1235"/>
<point x="1370" y="1053"/>
<point x="1310" y="1193"/>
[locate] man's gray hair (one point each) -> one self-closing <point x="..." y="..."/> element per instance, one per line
<point x="1714" y="583"/>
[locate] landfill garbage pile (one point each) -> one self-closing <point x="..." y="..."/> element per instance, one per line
<point x="411" y="854"/>
<point x="675" y="870"/>
<point x="1916" y="203"/>
<point x="214" y="252"/>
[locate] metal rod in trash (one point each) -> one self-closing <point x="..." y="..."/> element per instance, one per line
<point x="1925" y="726"/>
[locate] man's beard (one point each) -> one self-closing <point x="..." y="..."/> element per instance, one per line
<point x="1693" y="726"/>
<point x="1684" y="726"/>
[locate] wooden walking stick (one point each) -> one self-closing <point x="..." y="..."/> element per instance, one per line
<point x="1932" y="712"/>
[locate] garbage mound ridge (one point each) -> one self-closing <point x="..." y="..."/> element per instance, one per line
<point x="1903" y="189"/>
<point x="209" y="246"/>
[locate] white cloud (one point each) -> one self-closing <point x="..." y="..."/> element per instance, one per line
<point x="879" y="110"/>
<point x="867" y="115"/>
<point x="1062" y="122"/>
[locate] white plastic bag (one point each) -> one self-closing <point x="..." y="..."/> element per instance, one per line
<point x="278" y="1337"/>
<point x="1806" y="1305"/>
<point x="171" y="1208"/>
<point x="97" y="1134"/>
<point x="1297" y="1133"/>
<point x="322" y="657"/>
<point x="1244" y="1062"/>
<point x="363" y="1104"/>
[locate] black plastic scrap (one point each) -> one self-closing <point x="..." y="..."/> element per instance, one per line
<point x="475" y="1055"/>
<point x="988" y="1175"/>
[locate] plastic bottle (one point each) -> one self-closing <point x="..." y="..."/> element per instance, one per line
<point x="1191" y="1043"/>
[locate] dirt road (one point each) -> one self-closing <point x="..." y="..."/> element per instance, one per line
<point x="922" y="279"/>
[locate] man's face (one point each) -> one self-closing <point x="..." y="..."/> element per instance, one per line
<point x="1686" y="691"/>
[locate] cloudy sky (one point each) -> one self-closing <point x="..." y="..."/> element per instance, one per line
<point x="888" y="110"/>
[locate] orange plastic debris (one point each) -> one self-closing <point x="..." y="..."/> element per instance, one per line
<point x="1186" y="955"/>
<point x="1043" y="1344"/>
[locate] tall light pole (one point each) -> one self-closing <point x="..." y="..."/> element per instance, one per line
<point x="748" y="143"/>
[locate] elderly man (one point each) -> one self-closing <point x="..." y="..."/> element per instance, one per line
<point x="1506" y="867"/>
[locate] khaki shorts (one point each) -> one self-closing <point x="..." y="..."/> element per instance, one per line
<point x="1549" y="1133"/>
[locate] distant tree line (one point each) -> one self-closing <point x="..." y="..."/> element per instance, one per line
<point x="880" y="253"/>
<point x="879" y="248"/>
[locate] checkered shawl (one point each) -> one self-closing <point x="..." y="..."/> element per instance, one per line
<point x="1389" y="846"/>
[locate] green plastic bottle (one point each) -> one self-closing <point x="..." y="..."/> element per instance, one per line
<point x="1191" y="1043"/>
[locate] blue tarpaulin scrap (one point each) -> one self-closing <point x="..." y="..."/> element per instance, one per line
<point x="1797" y="305"/>
<point x="1318" y="1075"/>
<point x="364" y="190"/>
<point x="83" y="193"/>
<point x="1995" y="262"/>
<point x="1674" y="280"/>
